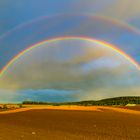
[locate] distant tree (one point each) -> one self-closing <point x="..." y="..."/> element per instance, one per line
<point x="5" y="106"/>
<point x="20" y="106"/>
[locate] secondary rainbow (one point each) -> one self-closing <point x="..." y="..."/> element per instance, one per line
<point x="131" y="60"/>
<point x="125" y="25"/>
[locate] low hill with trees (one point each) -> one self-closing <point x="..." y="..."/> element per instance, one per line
<point x="122" y="101"/>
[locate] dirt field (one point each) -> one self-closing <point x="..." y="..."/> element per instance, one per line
<point x="47" y="124"/>
<point x="137" y="107"/>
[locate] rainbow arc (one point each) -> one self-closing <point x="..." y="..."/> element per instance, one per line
<point x="114" y="48"/>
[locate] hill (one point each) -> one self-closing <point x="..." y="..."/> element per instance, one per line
<point x="104" y="102"/>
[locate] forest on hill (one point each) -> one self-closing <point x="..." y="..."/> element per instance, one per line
<point x="122" y="101"/>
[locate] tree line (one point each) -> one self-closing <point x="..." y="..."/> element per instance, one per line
<point x="104" y="102"/>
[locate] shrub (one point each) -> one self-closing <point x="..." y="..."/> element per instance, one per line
<point x="5" y="106"/>
<point x="20" y="106"/>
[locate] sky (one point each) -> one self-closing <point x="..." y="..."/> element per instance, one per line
<point x="69" y="70"/>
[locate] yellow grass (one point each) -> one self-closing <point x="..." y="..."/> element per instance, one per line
<point x="71" y="107"/>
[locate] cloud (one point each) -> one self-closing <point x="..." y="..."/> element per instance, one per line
<point x="123" y="9"/>
<point x="7" y="96"/>
<point x="46" y="95"/>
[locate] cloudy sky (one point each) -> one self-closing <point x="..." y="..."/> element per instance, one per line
<point x="69" y="70"/>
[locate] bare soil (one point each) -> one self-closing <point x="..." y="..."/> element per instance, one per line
<point x="59" y="124"/>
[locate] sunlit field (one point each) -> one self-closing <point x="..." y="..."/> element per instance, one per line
<point x="101" y="123"/>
